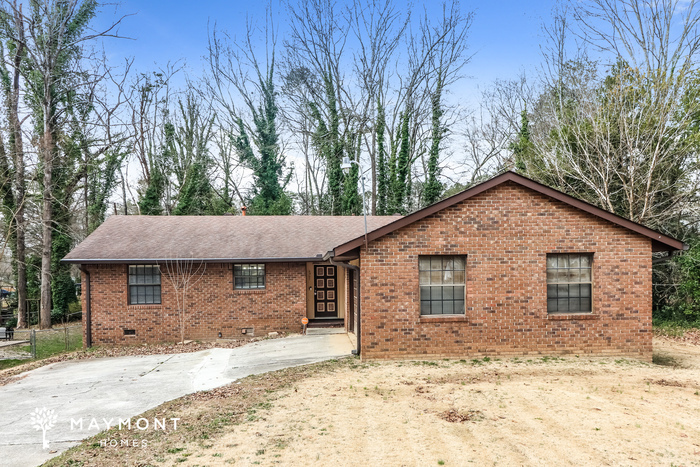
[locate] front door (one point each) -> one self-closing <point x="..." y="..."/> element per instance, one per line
<point x="325" y="291"/>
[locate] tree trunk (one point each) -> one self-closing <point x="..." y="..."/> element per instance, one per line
<point x="20" y="193"/>
<point x="20" y="255"/>
<point x="46" y="218"/>
<point x="19" y="181"/>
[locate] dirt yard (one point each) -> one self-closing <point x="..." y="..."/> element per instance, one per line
<point x="527" y="411"/>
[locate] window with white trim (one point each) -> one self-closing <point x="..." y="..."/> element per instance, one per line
<point x="569" y="283"/>
<point x="442" y="285"/>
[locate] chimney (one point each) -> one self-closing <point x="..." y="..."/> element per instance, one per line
<point x="243" y="208"/>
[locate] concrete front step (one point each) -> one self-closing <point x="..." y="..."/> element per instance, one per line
<point x="324" y="331"/>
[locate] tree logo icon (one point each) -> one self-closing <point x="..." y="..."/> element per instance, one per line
<point x="43" y="419"/>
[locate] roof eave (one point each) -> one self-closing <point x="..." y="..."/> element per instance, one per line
<point x="202" y="260"/>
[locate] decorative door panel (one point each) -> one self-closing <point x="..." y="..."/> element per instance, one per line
<point x="325" y="291"/>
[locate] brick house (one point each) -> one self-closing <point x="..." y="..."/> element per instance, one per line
<point x="507" y="267"/>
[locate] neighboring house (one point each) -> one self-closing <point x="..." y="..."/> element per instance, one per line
<point x="507" y="267"/>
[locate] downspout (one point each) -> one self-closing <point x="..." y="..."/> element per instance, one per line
<point x="358" y="331"/>
<point x="88" y="311"/>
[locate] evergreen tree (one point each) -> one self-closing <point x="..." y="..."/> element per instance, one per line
<point x="352" y="201"/>
<point x="400" y="179"/>
<point x="382" y="172"/>
<point x="268" y="165"/>
<point x="433" y="187"/>
<point x="150" y="202"/>
<point x="329" y="144"/>
<point x="522" y="147"/>
<point x="196" y="196"/>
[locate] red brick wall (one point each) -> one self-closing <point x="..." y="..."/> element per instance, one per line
<point x="505" y="234"/>
<point x="213" y="305"/>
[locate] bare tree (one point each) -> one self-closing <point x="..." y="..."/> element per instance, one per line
<point x="623" y="139"/>
<point x="183" y="274"/>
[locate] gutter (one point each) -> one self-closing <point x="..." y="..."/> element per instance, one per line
<point x="199" y="260"/>
<point x="88" y="310"/>
<point x="358" y="332"/>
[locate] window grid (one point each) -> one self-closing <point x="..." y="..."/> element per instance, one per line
<point x="249" y="276"/>
<point x="144" y="285"/>
<point x="442" y="285"/>
<point x="569" y="283"/>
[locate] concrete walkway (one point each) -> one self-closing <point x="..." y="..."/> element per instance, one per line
<point x="120" y="388"/>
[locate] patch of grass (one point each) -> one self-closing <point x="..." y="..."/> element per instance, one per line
<point x="4" y="364"/>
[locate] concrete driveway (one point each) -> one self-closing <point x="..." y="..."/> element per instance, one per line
<point x="103" y="391"/>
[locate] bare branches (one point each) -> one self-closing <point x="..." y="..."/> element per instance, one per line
<point x="183" y="275"/>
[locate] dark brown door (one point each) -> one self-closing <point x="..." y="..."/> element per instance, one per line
<point x="351" y="302"/>
<point x="325" y="291"/>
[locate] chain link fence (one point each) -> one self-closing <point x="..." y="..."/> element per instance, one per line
<point x="28" y="344"/>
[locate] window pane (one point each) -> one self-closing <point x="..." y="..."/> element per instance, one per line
<point x="436" y="308"/>
<point x="424" y="263"/>
<point x="552" y="305"/>
<point x="425" y="278"/>
<point x="436" y="293"/>
<point x="425" y="307"/>
<point x="459" y="307"/>
<point x="459" y="293"/>
<point x="574" y="290"/>
<point x="425" y="293"/>
<point x="435" y="263"/>
<point x="585" y="261"/>
<point x="551" y="291"/>
<point x="586" y="290"/>
<point x="574" y="261"/>
<point x="562" y="291"/>
<point x="447" y="277"/>
<point x="458" y="277"/>
<point x="562" y="261"/>
<point x="585" y="304"/>
<point x="448" y="293"/>
<point x="574" y="305"/>
<point x="448" y="307"/>
<point x="448" y="263"/>
<point x="563" y="304"/>
<point x="551" y="262"/>
<point x="585" y="275"/>
<point x="459" y="263"/>
<point x="436" y="277"/>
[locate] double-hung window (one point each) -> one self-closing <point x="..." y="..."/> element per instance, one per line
<point x="442" y="285"/>
<point x="144" y="285"/>
<point x="248" y="276"/>
<point x="569" y="283"/>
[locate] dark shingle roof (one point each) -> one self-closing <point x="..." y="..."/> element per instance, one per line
<point x="143" y="238"/>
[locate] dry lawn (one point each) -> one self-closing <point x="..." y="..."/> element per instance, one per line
<point x="527" y="411"/>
